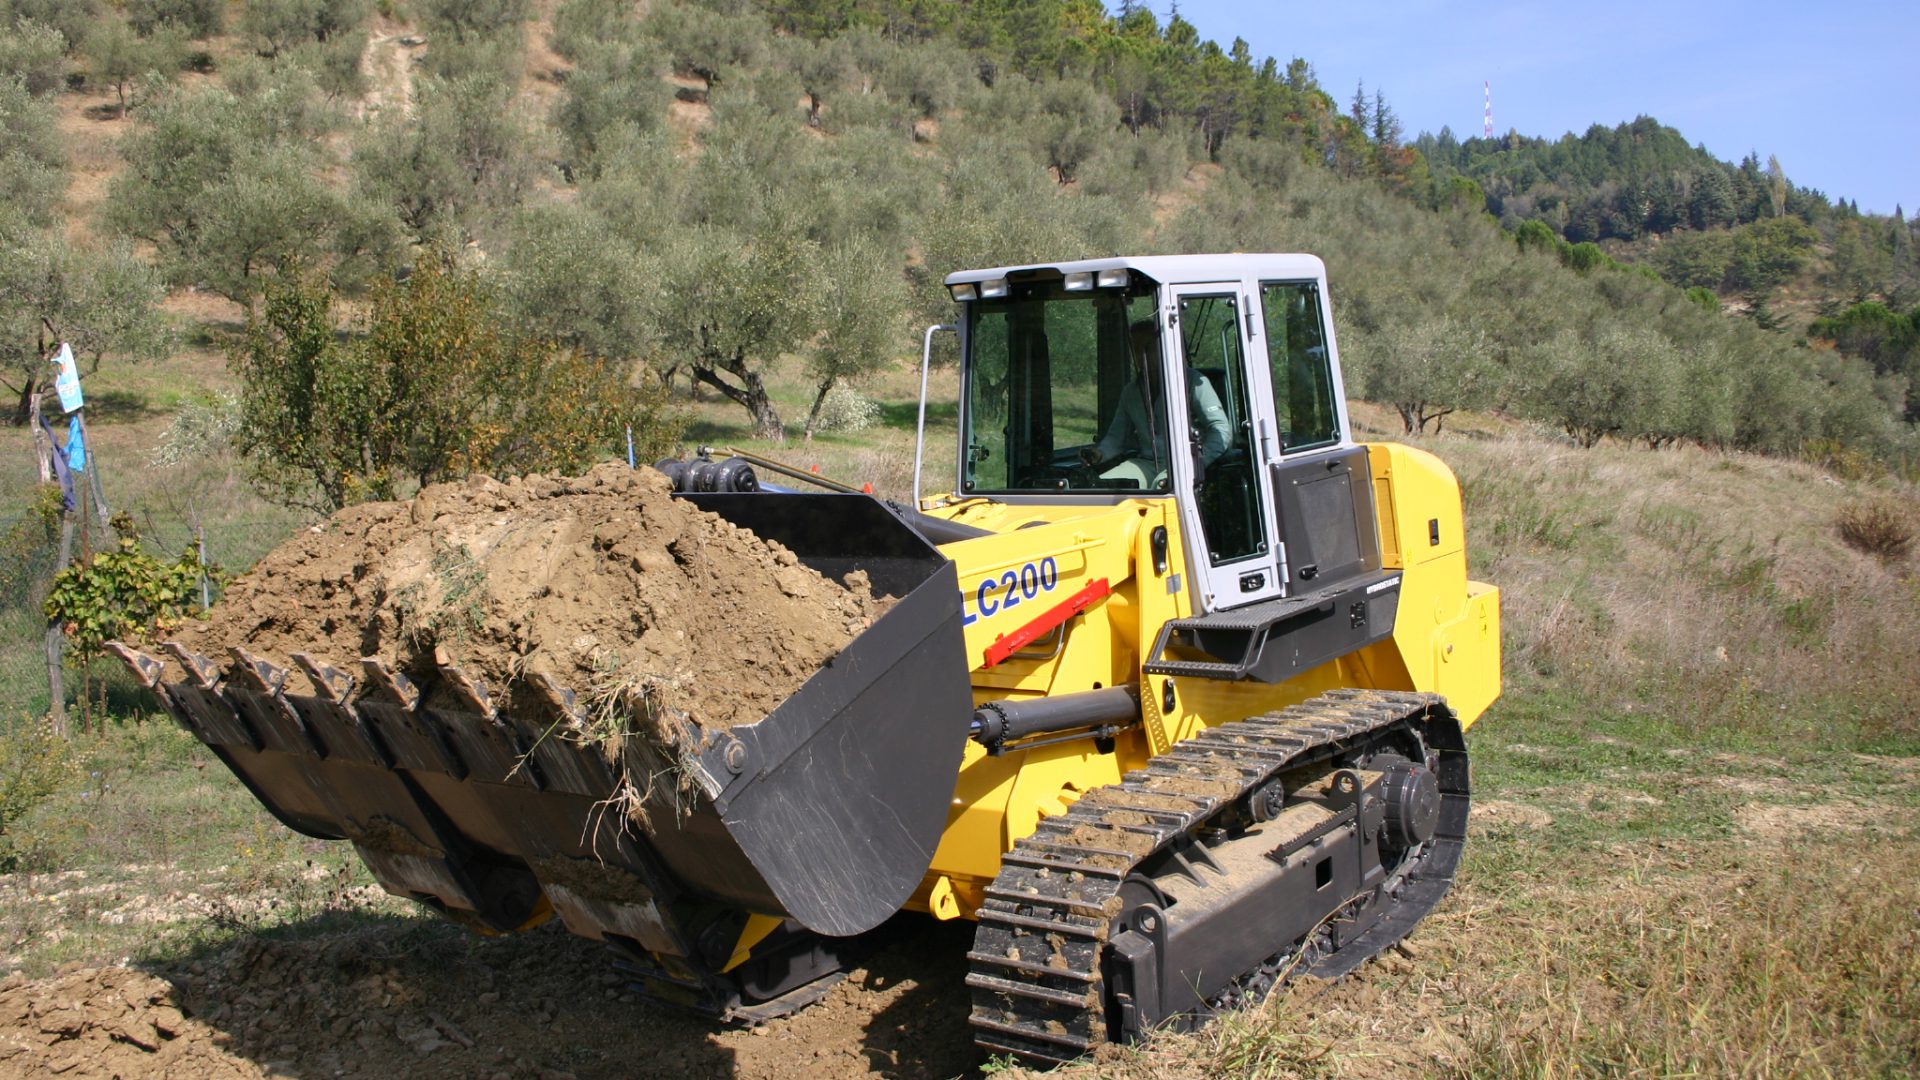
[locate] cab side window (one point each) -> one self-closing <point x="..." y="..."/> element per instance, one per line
<point x="1303" y="401"/>
<point x="1220" y="429"/>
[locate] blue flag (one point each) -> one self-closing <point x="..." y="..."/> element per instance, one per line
<point x="76" y="446"/>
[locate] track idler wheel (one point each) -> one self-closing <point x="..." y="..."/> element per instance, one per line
<point x="1412" y="794"/>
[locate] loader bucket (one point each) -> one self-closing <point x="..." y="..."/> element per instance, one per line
<point x="826" y="811"/>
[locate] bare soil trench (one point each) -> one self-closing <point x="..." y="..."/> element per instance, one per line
<point x="399" y="997"/>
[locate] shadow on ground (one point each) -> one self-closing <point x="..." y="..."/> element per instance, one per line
<point x="119" y="406"/>
<point x="367" y="996"/>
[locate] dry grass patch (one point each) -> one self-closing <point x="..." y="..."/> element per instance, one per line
<point x="1708" y="587"/>
<point x="1668" y="961"/>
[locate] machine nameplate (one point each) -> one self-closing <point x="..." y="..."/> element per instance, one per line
<point x="1011" y="588"/>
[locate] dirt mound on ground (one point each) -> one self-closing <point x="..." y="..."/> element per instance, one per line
<point x="107" y="1022"/>
<point x="402" y="998"/>
<point x="605" y="582"/>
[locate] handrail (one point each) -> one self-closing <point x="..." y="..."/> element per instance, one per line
<point x="920" y="430"/>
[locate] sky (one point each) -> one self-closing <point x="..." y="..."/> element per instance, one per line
<point x="1833" y="90"/>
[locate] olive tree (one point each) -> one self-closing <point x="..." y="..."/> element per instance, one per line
<point x="1076" y="120"/>
<point x="1429" y="369"/>
<point x="728" y="304"/>
<point x="1619" y="381"/>
<point x="200" y="19"/>
<point x="863" y="298"/>
<point x="34" y="53"/>
<point x="31" y="156"/>
<point x="706" y="44"/>
<point x="278" y="25"/>
<point x="117" y="55"/>
<point x="998" y="206"/>
<point x="824" y="67"/>
<point x="273" y="211"/>
<point x="99" y="300"/>
<point x="225" y="186"/>
<point x="473" y="38"/>
<point x="461" y="159"/>
<point x="616" y="90"/>
<point x="570" y="278"/>
<point x="71" y="17"/>
<point x="581" y="26"/>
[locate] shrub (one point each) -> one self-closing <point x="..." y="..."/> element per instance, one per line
<point x="846" y="409"/>
<point x="34" y="763"/>
<point x="1535" y="236"/>
<point x="1584" y="257"/>
<point x="437" y="386"/>
<point x="123" y="594"/>
<point x="1877" y="527"/>
<point x="199" y="430"/>
<point x="27" y="544"/>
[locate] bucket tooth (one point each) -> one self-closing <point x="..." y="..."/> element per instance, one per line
<point x="470" y="690"/>
<point x="329" y="682"/>
<point x="204" y="672"/>
<point x="257" y="674"/>
<point x="392" y="684"/>
<point x="147" y="670"/>
<point x="564" y="702"/>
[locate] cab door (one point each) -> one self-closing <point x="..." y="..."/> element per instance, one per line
<point x="1322" y="487"/>
<point x="1226" y="416"/>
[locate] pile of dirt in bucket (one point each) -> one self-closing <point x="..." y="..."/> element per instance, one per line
<point x="605" y="582"/>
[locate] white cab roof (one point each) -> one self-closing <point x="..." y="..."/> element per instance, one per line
<point x="1176" y="269"/>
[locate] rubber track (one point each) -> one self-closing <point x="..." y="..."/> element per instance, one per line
<point x="1036" y="975"/>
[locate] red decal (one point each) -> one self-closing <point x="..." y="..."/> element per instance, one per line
<point x="1008" y="644"/>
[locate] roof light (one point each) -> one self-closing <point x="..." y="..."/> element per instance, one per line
<point x="1112" y="279"/>
<point x="990" y="290"/>
<point x="1082" y="280"/>
<point x="963" y="291"/>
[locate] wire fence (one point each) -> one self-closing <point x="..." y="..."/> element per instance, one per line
<point x="169" y="508"/>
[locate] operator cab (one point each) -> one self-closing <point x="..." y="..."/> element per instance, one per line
<point x="1075" y="374"/>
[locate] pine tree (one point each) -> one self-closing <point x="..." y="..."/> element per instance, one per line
<point x="1386" y="125"/>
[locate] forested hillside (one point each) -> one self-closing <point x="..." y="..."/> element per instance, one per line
<point x="717" y="190"/>
<point x="1786" y="256"/>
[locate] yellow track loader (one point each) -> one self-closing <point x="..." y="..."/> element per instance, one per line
<point x="1170" y="703"/>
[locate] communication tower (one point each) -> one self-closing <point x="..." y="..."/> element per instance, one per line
<point x="1486" y="129"/>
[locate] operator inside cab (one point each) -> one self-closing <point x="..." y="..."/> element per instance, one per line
<point x="1066" y="389"/>
<point x="1135" y="439"/>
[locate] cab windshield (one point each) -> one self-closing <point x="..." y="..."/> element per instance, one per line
<point x="1064" y="391"/>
